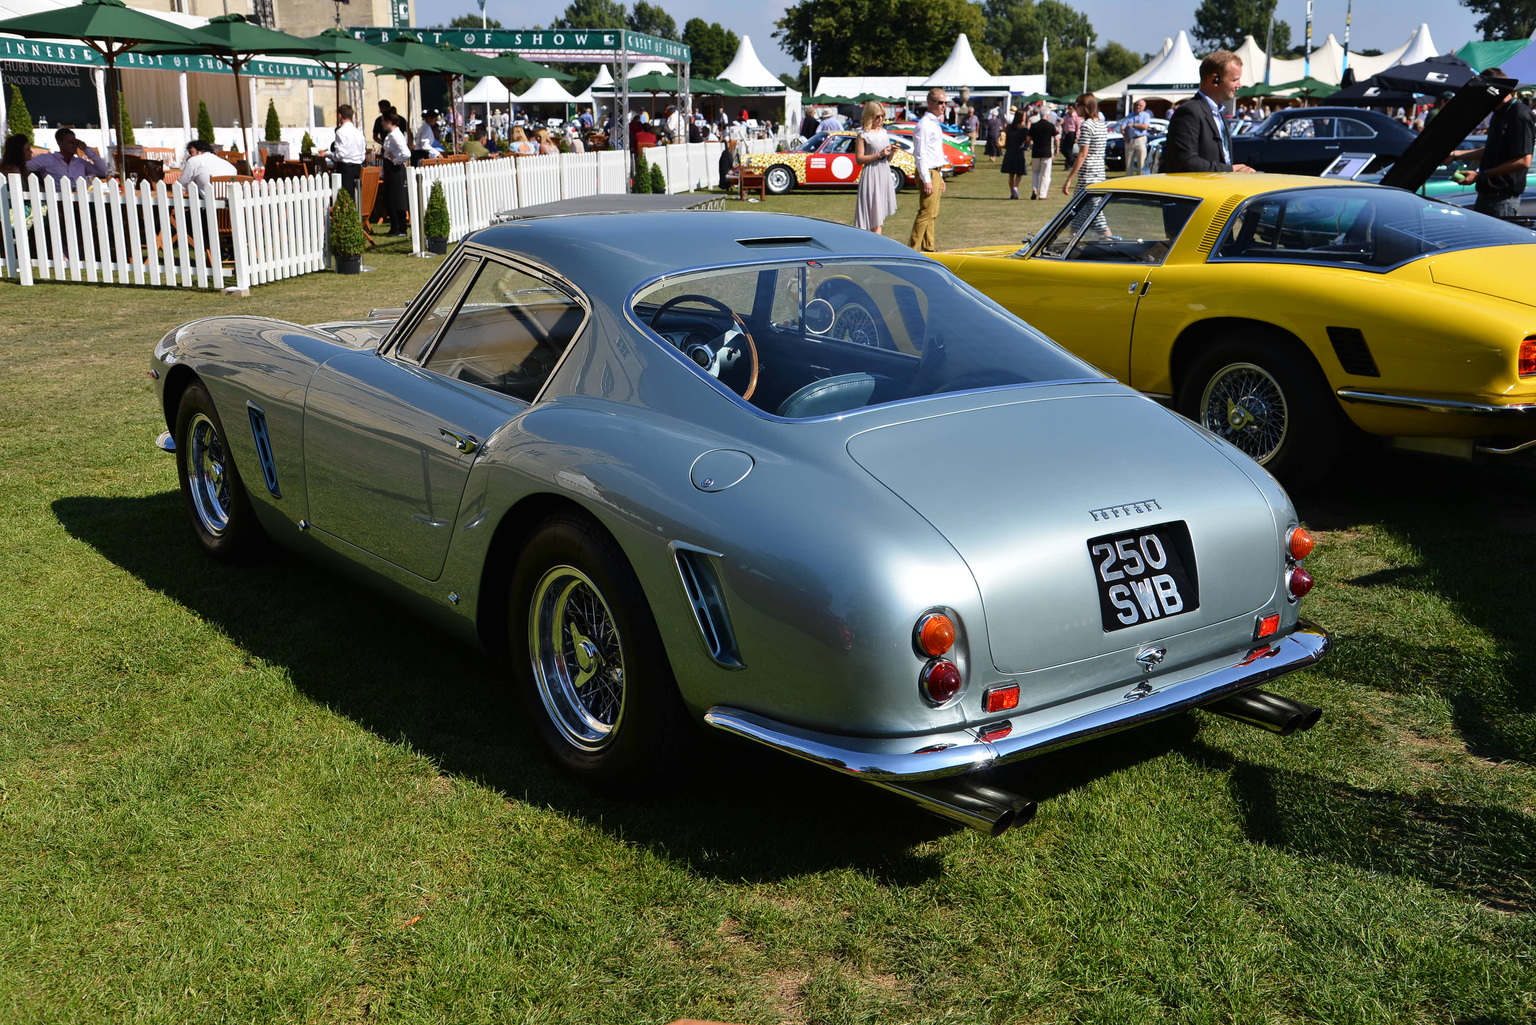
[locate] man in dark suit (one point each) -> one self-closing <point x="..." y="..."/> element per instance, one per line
<point x="1198" y="136"/>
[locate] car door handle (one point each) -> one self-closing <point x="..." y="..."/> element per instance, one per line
<point x="465" y="443"/>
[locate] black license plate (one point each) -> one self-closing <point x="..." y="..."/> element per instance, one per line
<point x="1144" y="574"/>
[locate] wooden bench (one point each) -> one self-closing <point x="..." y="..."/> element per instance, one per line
<point x="746" y="180"/>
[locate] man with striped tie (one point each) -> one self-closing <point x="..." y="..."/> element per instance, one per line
<point x="1199" y="138"/>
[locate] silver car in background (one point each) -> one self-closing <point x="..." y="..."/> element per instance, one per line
<point x="764" y="474"/>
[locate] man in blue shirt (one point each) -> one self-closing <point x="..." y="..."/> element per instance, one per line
<point x="1135" y="130"/>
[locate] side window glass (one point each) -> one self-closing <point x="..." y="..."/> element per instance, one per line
<point x="442" y="308"/>
<point x="509" y="333"/>
<point x="1322" y="128"/>
<point x="839" y="144"/>
<point x="1349" y="128"/>
<point x="1084" y="210"/>
<point x="1133" y="229"/>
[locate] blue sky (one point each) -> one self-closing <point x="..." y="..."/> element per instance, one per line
<point x="1137" y="24"/>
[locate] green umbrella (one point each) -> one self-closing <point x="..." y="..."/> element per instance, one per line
<point x="412" y="57"/>
<point x="871" y="98"/>
<point x="510" y="65"/>
<point x="234" y="41"/>
<point x="729" y="88"/>
<point x="107" y="26"/>
<point x="828" y="100"/>
<point x="1256" y="89"/>
<point x="339" y="52"/>
<point x="1305" y="87"/>
<point x="655" y="82"/>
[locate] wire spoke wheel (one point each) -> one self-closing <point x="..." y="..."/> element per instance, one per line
<point x="1244" y="405"/>
<point x="208" y="475"/>
<point x="578" y="658"/>
<point x="857" y="325"/>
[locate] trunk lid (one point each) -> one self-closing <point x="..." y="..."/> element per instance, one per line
<point x="1021" y="489"/>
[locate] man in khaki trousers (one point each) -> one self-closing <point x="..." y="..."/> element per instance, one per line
<point x="928" y="154"/>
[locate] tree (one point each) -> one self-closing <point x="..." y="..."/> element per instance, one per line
<point x="591" y="14"/>
<point x="274" y="127"/>
<point x="125" y="134"/>
<point x="652" y="20"/>
<point x="18" y="119"/>
<point x="713" y="46"/>
<point x="1222" y="24"/>
<point x="1504" y="19"/>
<point x="854" y="38"/>
<point x="1016" y="29"/>
<point x="472" y="21"/>
<point x="1111" y="63"/>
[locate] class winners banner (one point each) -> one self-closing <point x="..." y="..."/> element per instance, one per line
<point x="44" y="51"/>
<point x="544" y="44"/>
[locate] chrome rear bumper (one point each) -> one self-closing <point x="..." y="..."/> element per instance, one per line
<point x="934" y="756"/>
<point x="1437" y="405"/>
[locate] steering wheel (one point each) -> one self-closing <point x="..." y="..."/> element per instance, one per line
<point x="718" y="361"/>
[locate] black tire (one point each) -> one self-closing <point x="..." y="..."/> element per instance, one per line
<point x="1269" y="400"/>
<point x="217" y="503"/>
<point x="589" y="662"/>
<point x="898" y="177"/>
<point x="779" y="180"/>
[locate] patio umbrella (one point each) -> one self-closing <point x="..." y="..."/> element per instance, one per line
<point x="412" y="57"/>
<point x="1304" y="87"/>
<point x="1247" y="92"/>
<point x="107" y="26"/>
<point x="1431" y="77"/>
<point x="1369" y="94"/>
<point x="510" y="65"/>
<point x="828" y="100"/>
<point x="871" y="98"/>
<point x="339" y="52"/>
<point x="235" y="42"/>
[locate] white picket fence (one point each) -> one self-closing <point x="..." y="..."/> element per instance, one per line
<point x="238" y="235"/>
<point x="696" y="165"/>
<point x="478" y="190"/>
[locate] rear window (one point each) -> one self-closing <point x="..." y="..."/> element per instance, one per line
<point x="1367" y="226"/>
<point x="815" y="338"/>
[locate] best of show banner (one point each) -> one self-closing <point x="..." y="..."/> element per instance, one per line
<point x="533" y="43"/>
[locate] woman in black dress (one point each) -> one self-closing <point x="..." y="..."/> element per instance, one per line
<point x="1015" y="163"/>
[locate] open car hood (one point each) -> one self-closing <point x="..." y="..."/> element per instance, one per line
<point x="1473" y="102"/>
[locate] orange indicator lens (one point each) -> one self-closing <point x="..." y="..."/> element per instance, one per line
<point x="935" y="634"/>
<point x="1301" y="544"/>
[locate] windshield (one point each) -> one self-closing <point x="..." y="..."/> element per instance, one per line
<point x="813" y="338"/>
<point x="1368" y="226"/>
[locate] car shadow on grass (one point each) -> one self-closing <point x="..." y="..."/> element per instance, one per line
<point x="1472" y="528"/>
<point x="1487" y="853"/>
<point x="750" y="813"/>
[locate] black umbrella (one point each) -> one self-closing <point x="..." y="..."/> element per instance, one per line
<point x="1429" y="77"/>
<point x="1369" y="94"/>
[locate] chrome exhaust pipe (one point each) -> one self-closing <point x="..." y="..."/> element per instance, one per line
<point x="1267" y="711"/>
<point x="971" y="804"/>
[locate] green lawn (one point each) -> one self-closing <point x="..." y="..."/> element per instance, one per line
<point x="263" y="795"/>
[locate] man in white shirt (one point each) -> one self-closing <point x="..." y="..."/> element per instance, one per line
<point x="348" y="149"/>
<point x="203" y="165"/>
<point x="928" y="154"/>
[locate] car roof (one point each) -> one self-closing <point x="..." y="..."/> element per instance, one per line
<point x="608" y="255"/>
<point x="1217" y="184"/>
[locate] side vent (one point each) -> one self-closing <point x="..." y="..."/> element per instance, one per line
<point x="702" y="585"/>
<point x="1354" y="355"/>
<point x="1218" y="221"/>
<point x="263" y="448"/>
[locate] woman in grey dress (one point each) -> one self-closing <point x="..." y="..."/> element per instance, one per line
<point x="872" y="150"/>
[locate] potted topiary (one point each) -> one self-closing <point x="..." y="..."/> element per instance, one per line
<point x="204" y="122"/>
<point x="306" y="146"/>
<point x="642" y="175"/>
<point x="274" y="148"/>
<point x="658" y="180"/>
<point x="347" y="238"/>
<point x="435" y="223"/>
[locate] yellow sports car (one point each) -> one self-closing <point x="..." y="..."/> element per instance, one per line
<point x="1283" y="313"/>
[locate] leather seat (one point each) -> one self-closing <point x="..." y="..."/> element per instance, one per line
<point x="829" y="395"/>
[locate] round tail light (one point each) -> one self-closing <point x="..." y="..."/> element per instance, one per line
<point x="1301" y="544"/>
<point x="1300" y="584"/>
<point x="935" y="634"/>
<point x="940" y="680"/>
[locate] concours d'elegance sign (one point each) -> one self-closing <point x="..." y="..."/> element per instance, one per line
<point x="46" y="52"/>
<point x="535" y="43"/>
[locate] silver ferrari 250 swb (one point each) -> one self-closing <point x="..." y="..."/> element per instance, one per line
<point x="765" y="474"/>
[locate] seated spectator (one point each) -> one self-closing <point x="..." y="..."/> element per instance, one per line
<point x="73" y="161"/>
<point x="17" y="154"/>
<point x="545" y="143"/>
<point x="203" y="165"/>
<point x="520" y="146"/>
<point x="478" y="145"/>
